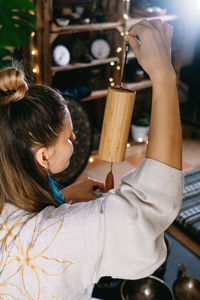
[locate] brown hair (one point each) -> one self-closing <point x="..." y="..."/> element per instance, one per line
<point x="29" y="117"/>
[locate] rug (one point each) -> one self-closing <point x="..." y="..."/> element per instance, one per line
<point x="188" y="219"/>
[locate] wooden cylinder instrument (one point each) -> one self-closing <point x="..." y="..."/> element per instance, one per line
<point x="116" y="124"/>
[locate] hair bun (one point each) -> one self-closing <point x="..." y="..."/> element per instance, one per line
<point x="13" y="85"/>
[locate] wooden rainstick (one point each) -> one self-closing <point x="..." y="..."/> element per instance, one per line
<point x="116" y="125"/>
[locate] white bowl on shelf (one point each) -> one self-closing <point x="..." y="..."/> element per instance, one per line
<point x="62" y="21"/>
<point x="139" y="133"/>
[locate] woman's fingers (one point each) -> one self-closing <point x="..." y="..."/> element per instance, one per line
<point x="168" y="30"/>
<point x="98" y="185"/>
<point x="153" y="48"/>
<point x="133" y="42"/>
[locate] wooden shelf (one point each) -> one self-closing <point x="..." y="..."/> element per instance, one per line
<point x="85" y="27"/>
<point x="184" y="239"/>
<point x="132" y="21"/>
<point x="136" y="86"/>
<point x="74" y="66"/>
<point x="95" y="95"/>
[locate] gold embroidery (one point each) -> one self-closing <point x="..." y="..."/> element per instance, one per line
<point x="9" y="232"/>
<point x="23" y="260"/>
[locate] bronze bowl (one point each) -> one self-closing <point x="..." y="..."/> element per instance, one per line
<point x="186" y="287"/>
<point x="149" y="288"/>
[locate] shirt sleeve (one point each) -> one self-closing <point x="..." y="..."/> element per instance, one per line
<point x="134" y="219"/>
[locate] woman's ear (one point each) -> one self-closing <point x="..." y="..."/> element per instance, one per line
<point x="41" y="157"/>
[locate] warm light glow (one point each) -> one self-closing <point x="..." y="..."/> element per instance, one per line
<point x="122" y="33"/>
<point x="33" y="52"/>
<point x="34" y="70"/>
<point x="31" y="12"/>
<point x="118" y="68"/>
<point x="33" y="34"/>
<point x="119" y="49"/>
<point x="190" y="285"/>
<point x="147" y="291"/>
<point x="91" y="159"/>
<point x="128" y="145"/>
<point x="127" y="33"/>
<point x="111" y="79"/>
<point x="112" y="84"/>
<point x="140" y="140"/>
<point x="112" y="63"/>
<point x="125" y="16"/>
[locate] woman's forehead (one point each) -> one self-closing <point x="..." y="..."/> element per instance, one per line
<point x="68" y="120"/>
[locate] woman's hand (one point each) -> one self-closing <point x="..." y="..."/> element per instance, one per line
<point x="83" y="190"/>
<point x="151" y="43"/>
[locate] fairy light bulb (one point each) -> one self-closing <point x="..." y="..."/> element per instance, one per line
<point x="125" y="16"/>
<point x="112" y="63"/>
<point x="31" y="12"/>
<point x="33" y="52"/>
<point x="33" y="34"/>
<point x="111" y="79"/>
<point x="128" y="145"/>
<point x="122" y="33"/>
<point x="118" y="68"/>
<point x="119" y="49"/>
<point x="112" y="84"/>
<point x="91" y="159"/>
<point x="35" y="69"/>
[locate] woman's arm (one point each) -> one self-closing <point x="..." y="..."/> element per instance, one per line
<point x="152" y="48"/>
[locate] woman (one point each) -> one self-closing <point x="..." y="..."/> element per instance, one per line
<point x="58" y="252"/>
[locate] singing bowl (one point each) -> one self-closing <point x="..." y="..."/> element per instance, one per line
<point x="149" y="288"/>
<point x="186" y="287"/>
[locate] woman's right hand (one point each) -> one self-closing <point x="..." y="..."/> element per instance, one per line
<point x="83" y="190"/>
<point x="151" y="44"/>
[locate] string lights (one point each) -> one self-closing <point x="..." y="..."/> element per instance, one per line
<point x="34" y="55"/>
<point x="119" y="49"/>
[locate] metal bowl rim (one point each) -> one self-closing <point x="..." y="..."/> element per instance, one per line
<point x="151" y="277"/>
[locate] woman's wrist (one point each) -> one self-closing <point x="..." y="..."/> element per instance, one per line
<point x="68" y="193"/>
<point x="162" y="77"/>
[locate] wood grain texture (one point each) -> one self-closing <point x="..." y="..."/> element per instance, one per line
<point x="184" y="239"/>
<point x="116" y="124"/>
<point x="109" y="182"/>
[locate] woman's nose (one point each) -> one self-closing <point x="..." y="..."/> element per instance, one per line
<point x="72" y="137"/>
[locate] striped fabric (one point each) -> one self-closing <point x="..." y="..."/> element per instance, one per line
<point x="188" y="219"/>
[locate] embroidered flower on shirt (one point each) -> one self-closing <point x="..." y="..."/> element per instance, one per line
<point x="29" y="265"/>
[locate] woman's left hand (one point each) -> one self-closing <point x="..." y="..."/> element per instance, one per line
<point x="83" y="190"/>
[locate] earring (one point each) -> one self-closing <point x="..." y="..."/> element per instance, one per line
<point x="56" y="189"/>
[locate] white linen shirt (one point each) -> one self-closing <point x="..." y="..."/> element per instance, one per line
<point x="59" y="253"/>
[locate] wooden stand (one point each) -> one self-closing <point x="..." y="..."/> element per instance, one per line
<point x="116" y="124"/>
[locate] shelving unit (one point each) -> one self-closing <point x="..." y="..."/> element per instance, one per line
<point x="95" y="62"/>
<point x="48" y="31"/>
<point x="115" y="26"/>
